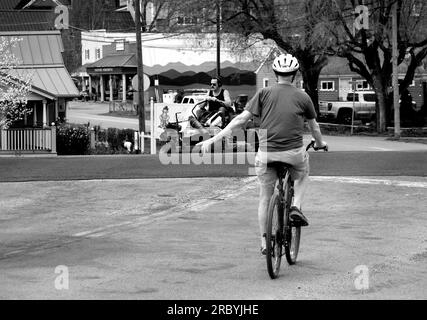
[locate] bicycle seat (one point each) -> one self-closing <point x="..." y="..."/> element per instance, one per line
<point x="279" y="164"/>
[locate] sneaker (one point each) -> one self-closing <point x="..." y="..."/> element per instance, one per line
<point x="298" y="219"/>
<point x="264" y="249"/>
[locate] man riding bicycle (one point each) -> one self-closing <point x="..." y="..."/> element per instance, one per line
<point x="281" y="109"/>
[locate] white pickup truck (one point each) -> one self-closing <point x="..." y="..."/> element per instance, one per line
<point x="341" y="111"/>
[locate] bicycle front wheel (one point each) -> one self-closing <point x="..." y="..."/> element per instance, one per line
<point x="274" y="236"/>
<point x="292" y="233"/>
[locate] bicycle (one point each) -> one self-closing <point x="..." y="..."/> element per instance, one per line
<point x="281" y="233"/>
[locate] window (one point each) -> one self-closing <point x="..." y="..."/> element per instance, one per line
<point x="185" y="20"/>
<point x="370" y="97"/>
<point x="412" y="84"/>
<point x="417" y="7"/>
<point x="265" y="82"/>
<point x="362" y="85"/>
<point x="87" y="54"/>
<point x="327" y="85"/>
<point x="97" y="53"/>
<point x="120" y="45"/>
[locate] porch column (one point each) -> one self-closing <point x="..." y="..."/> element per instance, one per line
<point x="44" y="113"/>
<point x="110" y="85"/>
<point x="90" y="87"/>
<point x="34" y="114"/>
<point x="102" y="88"/>
<point x="124" y="87"/>
<point x="83" y="83"/>
<point x="56" y="109"/>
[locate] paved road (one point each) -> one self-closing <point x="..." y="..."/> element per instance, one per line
<point x="97" y="114"/>
<point x="197" y="239"/>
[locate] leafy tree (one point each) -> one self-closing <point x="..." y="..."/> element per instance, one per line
<point x="369" y="50"/>
<point x="13" y="88"/>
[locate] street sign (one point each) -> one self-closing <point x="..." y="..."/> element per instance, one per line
<point x="146" y="82"/>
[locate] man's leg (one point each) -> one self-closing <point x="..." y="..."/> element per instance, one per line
<point x="266" y="191"/>
<point x="223" y="113"/>
<point x="300" y="174"/>
<point x="300" y="186"/>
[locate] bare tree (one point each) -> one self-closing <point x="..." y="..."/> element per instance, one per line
<point x="369" y="50"/>
<point x="295" y="26"/>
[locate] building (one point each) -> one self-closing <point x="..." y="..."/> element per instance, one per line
<point x="335" y="80"/>
<point x="40" y="54"/>
<point x="171" y="61"/>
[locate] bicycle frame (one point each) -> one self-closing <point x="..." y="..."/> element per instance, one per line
<point x="282" y="236"/>
<point x="286" y="202"/>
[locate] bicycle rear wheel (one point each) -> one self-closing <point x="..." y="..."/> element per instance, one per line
<point x="292" y="233"/>
<point x="274" y="236"/>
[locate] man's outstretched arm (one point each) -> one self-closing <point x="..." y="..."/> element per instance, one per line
<point x="237" y="122"/>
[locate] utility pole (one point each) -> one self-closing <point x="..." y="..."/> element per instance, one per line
<point x="218" y="38"/>
<point x="140" y="70"/>
<point x="395" y="79"/>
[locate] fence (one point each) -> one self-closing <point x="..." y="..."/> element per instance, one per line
<point x="28" y="139"/>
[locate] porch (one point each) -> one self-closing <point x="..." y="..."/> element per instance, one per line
<point x="22" y="141"/>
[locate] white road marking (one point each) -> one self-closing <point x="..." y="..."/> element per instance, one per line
<point x="381" y="149"/>
<point x="355" y="180"/>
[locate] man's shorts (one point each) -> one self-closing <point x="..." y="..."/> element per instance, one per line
<point x="298" y="158"/>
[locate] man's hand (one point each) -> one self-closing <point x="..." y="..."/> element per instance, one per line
<point x="322" y="146"/>
<point x="213" y="99"/>
<point x="205" y="145"/>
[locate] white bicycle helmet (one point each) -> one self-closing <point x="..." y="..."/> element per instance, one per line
<point x="285" y="63"/>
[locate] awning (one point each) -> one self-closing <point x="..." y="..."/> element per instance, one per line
<point x="116" y="60"/>
<point x="114" y="64"/>
<point x="52" y="82"/>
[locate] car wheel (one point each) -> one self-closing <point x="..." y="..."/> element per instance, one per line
<point x="344" y="116"/>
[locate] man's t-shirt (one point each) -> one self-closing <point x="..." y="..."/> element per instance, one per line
<point x="282" y="109"/>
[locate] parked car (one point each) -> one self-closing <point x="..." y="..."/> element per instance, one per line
<point x="341" y="111"/>
<point x="193" y="99"/>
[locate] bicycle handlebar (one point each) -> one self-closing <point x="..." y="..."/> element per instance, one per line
<point x="312" y="145"/>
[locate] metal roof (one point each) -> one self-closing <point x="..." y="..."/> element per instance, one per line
<point x="37" y="48"/>
<point x="40" y="55"/>
<point x="117" y="60"/>
<point x="54" y="82"/>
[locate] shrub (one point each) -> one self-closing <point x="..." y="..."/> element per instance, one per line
<point x="115" y="138"/>
<point x="72" y="139"/>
